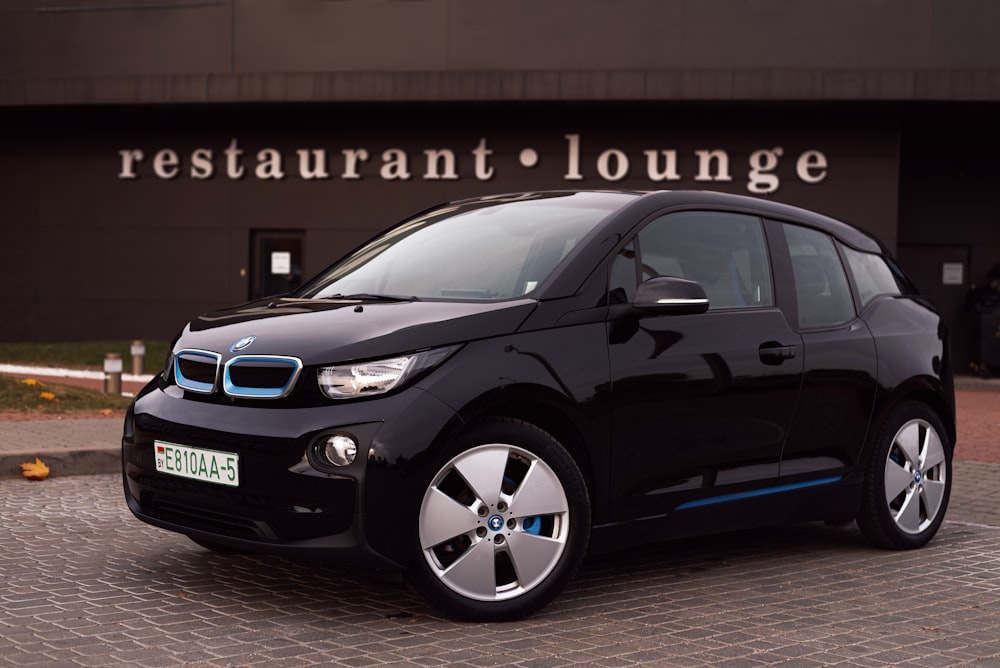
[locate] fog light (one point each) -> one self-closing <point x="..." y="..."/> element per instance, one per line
<point x="340" y="450"/>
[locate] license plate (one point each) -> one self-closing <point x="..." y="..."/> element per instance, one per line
<point x="214" y="466"/>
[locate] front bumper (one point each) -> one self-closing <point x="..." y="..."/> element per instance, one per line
<point x="286" y="503"/>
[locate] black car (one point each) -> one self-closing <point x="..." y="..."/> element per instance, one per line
<point x="481" y="394"/>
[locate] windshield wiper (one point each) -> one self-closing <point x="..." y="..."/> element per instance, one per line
<point x="367" y="297"/>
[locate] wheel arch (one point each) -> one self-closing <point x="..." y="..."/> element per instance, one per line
<point x="554" y="414"/>
<point x="929" y="392"/>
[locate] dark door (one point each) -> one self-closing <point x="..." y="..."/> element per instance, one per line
<point x="275" y="262"/>
<point x="702" y="402"/>
<point x="839" y="376"/>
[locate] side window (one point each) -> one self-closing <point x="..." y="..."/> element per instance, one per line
<point x="724" y="252"/>
<point x="871" y="274"/>
<point x="824" y="296"/>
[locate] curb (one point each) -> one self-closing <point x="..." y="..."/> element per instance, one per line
<point x="67" y="446"/>
<point x="72" y="462"/>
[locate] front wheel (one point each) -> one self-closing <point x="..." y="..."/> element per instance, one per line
<point x="908" y="481"/>
<point x="503" y="524"/>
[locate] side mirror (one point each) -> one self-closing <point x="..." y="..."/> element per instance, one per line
<point x="669" y="295"/>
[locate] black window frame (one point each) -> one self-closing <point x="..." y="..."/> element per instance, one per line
<point x="635" y="243"/>
<point x="786" y="295"/>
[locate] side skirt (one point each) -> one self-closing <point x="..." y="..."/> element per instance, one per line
<point x="833" y="498"/>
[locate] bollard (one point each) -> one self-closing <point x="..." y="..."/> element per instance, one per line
<point x="113" y="373"/>
<point x="138" y="357"/>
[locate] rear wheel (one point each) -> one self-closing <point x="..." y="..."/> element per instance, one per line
<point x="503" y="523"/>
<point x="908" y="481"/>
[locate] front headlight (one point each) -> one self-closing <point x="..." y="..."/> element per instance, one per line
<point x="364" y="379"/>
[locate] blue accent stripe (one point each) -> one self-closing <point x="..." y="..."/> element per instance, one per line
<point x="758" y="492"/>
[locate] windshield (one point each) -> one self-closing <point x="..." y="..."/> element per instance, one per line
<point x="484" y="250"/>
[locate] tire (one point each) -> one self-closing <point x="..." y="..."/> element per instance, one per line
<point x="908" y="481"/>
<point x="503" y="523"/>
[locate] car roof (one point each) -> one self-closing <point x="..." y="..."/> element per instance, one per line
<point x="849" y="234"/>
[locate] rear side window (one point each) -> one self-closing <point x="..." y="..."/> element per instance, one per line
<point x="821" y="287"/>
<point x="724" y="252"/>
<point x="872" y="275"/>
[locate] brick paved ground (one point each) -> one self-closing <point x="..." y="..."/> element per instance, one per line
<point x="85" y="584"/>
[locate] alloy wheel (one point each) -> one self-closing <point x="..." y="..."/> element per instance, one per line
<point x="494" y="522"/>
<point x="915" y="476"/>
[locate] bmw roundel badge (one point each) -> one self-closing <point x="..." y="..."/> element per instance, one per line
<point x="242" y="344"/>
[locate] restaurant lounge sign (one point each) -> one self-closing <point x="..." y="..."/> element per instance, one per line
<point x="657" y="165"/>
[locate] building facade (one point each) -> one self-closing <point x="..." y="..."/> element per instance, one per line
<point x="165" y="157"/>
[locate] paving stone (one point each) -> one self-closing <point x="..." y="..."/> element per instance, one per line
<point x="85" y="584"/>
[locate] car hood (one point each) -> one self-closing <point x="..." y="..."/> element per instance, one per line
<point x="325" y="331"/>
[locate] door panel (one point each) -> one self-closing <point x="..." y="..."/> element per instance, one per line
<point x="838" y="391"/>
<point x="839" y="372"/>
<point x="702" y="403"/>
<point x="699" y="411"/>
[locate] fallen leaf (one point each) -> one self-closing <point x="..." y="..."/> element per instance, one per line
<point x="106" y="412"/>
<point x="31" y="382"/>
<point x="48" y="396"/>
<point x="36" y="470"/>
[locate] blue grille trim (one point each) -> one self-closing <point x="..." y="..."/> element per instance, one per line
<point x="196" y="385"/>
<point x="759" y="492"/>
<point x="244" y="392"/>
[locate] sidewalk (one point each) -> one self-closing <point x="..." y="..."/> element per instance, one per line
<point x="75" y="446"/>
<point x="68" y="446"/>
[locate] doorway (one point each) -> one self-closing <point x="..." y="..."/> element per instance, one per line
<point x="275" y="262"/>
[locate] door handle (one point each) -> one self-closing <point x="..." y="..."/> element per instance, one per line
<point x="774" y="353"/>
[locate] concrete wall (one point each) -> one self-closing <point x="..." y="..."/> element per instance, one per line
<point x="948" y="211"/>
<point x="883" y="86"/>
<point x="106" y="51"/>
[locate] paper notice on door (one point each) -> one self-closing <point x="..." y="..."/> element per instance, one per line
<point x="281" y="262"/>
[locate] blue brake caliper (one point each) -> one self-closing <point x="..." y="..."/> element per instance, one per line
<point x="533" y="524"/>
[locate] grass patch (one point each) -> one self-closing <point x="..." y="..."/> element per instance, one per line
<point x="82" y="354"/>
<point x="42" y="397"/>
